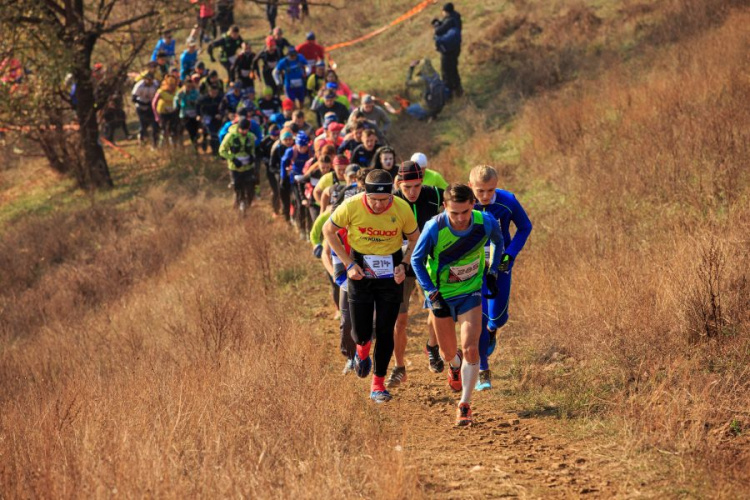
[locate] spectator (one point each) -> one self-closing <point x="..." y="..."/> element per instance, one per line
<point x="432" y="90"/>
<point x="448" y="43"/>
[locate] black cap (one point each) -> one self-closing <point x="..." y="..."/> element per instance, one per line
<point x="449" y="7"/>
<point x="410" y="171"/>
<point x="244" y="124"/>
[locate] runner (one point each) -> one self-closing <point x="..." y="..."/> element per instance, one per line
<point x="294" y="70"/>
<point x="229" y="44"/>
<point x="270" y="57"/>
<point x="375" y="222"/>
<point x="321" y="193"/>
<point x="264" y="151"/>
<point x="431" y="177"/>
<point x="187" y="100"/>
<point x="292" y="165"/>
<point x="365" y="152"/>
<point x="242" y="69"/>
<point x="166" y="45"/>
<point x="505" y="208"/>
<point x="330" y="104"/>
<point x="208" y="111"/>
<point x="238" y="148"/>
<point x="188" y="60"/>
<point x="312" y="50"/>
<point x="425" y="203"/>
<point x="142" y="95"/>
<point x="286" y="141"/>
<point x="449" y="262"/>
<point x="385" y="158"/>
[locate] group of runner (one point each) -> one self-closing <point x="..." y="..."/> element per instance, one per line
<point x="380" y="227"/>
<point x="384" y="234"/>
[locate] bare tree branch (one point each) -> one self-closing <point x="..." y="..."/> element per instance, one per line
<point x="122" y="24"/>
<point x="322" y="4"/>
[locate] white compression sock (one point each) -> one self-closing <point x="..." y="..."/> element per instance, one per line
<point x="455" y="362"/>
<point x="469" y="375"/>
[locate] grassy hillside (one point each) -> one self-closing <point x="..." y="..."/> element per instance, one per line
<point x="128" y="348"/>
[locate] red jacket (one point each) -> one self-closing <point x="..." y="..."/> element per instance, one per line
<point x="312" y="50"/>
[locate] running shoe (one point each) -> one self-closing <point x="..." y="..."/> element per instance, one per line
<point x="380" y="396"/>
<point x="398" y="375"/>
<point x="493" y="342"/>
<point x="484" y="382"/>
<point x="436" y="363"/>
<point x="463" y="415"/>
<point x="348" y="367"/>
<point x="454" y="375"/>
<point x="362" y="366"/>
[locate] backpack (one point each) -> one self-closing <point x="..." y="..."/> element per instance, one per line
<point x="435" y="96"/>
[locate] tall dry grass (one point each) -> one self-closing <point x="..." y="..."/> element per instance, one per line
<point x="169" y="361"/>
<point x="639" y="264"/>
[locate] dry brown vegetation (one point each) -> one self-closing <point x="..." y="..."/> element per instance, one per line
<point x="639" y="263"/>
<point x="153" y="341"/>
<point x="194" y="382"/>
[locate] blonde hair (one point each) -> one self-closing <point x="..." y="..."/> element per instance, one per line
<point x="483" y="173"/>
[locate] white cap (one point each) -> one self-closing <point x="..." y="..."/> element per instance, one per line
<point x="420" y="159"/>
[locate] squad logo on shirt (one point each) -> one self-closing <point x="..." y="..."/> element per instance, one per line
<point x="369" y="231"/>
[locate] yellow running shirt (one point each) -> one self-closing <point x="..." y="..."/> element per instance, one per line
<point x="375" y="234"/>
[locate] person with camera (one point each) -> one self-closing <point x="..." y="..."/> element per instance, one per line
<point x="448" y="43"/>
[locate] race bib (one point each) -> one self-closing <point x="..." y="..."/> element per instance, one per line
<point x="487" y="255"/>
<point x="295" y="82"/>
<point x="267" y="113"/>
<point x="378" y="266"/>
<point x="207" y="120"/>
<point x="244" y="159"/>
<point x="232" y="59"/>
<point x="463" y="273"/>
<point x="245" y="73"/>
<point x="314" y="181"/>
<point x="190" y="113"/>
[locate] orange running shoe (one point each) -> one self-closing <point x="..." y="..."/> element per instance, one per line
<point x="463" y="415"/>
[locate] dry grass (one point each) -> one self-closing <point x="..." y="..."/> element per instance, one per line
<point x="638" y="268"/>
<point x="212" y="390"/>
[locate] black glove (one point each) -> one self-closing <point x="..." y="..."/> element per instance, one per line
<point x="435" y="21"/>
<point x="491" y="282"/>
<point x="437" y="302"/>
<point x="318" y="251"/>
<point x="213" y="59"/>
<point x="237" y="163"/>
<point x="506" y="262"/>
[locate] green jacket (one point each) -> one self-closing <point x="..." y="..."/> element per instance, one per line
<point x="238" y="146"/>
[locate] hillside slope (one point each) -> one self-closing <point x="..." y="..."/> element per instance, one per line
<point x="145" y="334"/>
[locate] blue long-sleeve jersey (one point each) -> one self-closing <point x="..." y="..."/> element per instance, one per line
<point x="162" y="46"/>
<point x="428" y="241"/>
<point x="187" y="64"/>
<point x="506" y="209"/>
<point x="297" y="160"/>
<point x="294" y="71"/>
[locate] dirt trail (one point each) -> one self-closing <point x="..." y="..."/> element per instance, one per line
<point x="508" y="452"/>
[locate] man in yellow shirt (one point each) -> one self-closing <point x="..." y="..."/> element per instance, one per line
<point x="376" y="267"/>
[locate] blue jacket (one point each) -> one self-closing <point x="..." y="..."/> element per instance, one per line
<point x="294" y="71"/>
<point x="187" y="64"/>
<point x="162" y="46"/>
<point x="506" y="209"/>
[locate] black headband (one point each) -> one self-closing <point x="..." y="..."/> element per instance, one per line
<point x="378" y="188"/>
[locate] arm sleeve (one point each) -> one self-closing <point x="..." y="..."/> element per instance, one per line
<point x="523" y="228"/>
<point x="284" y="160"/>
<point x="224" y="150"/>
<point x="425" y="245"/>
<point x="316" y="233"/>
<point x="496" y="237"/>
